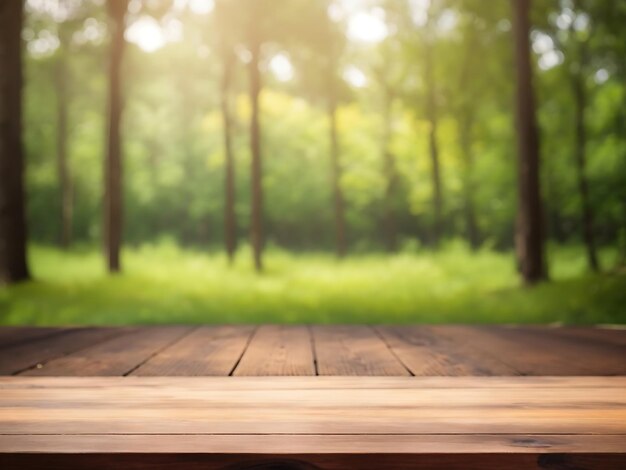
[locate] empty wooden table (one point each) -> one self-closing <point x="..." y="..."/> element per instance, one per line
<point x="297" y="397"/>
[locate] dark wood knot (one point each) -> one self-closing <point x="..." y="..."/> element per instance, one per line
<point x="531" y="443"/>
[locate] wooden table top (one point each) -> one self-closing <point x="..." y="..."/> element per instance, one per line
<point x="272" y="350"/>
<point x="313" y="397"/>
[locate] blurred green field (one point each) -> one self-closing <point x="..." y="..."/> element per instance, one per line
<point x="165" y="284"/>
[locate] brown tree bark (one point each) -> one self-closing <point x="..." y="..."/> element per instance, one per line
<point x="391" y="176"/>
<point x="13" y="231"/>
<point x="466" y="119"/>
<point x="554" y="221"/>
<point x="529" y="236"/>
<point x="113" y="205"/>
<point x="580" y="103"/>
<point x="431" y="112"/>
<point x="338" y="199"/>
<point x="471" y="226"/>
<point x="256" y="222"/>
<point x="65" y="187"/>
<point x="230" y="221"/>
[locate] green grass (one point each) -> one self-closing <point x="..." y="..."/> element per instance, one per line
<point x="165" y="284"/>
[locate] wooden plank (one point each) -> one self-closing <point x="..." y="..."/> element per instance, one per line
<point x="117" y="356"/>
<point x="14" y="335"/>
<point x="600" y="337"/>
<point x="438" y="350"/>
<point x="353" y="350"/>
<point x="36" y="353"/>
<point x="424" y="352"/>
<point x="313" y="443"/>
<point x="600" y="342"/>
<point x="239" y="384"/>
<point x="582" y="356"/>
<point x="370" y="461"/>
<point x="278" y="350"/>
<point x="528" y="354"/>
<point x="207" y="351"/>
<point x="290" y="405"/>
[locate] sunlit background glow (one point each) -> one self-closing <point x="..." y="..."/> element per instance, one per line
<point x="146" y="33"/>
<point x="355" y="76"/>
<point x="367" y="26"/>
<point x="281" y="67"/>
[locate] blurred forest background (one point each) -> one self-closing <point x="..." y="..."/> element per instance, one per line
<point x="361" y="155"/>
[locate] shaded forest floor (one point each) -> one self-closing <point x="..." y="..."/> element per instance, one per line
<point x="165" y="284"/>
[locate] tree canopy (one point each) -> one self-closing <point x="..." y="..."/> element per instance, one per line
<point x="421" y="103"/>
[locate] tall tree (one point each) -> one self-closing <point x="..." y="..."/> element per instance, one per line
<point x="226" y="49"/>
<point x="255" y="23"/>
<point x="13" y="265"/>
<point x="579" y="89"/>
<point x="256" y="222"/>
<point x="580" y="104"/>
<point x="230" y="220"/>
<point x="113" y="198"/>
<point x="317" y="44"/>
<point x="71" y="21"/>
<point x="529" y="237"/>
<point x="432" y="116"/>
<point x="387" y="78"/>
<point x="63" y="170"/>
<point x="466" y="105"/>
<point x="466" y="126"/>
<point x="390" y="73"/>
<point x="336" y="169"/>
<point x="390" y="172"/>
<point x="333" y="40"/>
<point x="575" y="43"/>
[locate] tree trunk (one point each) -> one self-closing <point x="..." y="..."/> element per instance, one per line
<point x="256" y="223"/>
<point x="529" y="230"/>
<point x="13" y="233"/>
<point x="466" y="118"/>
<point x="433" y="147"/>
<point x="230" y="221"/>
<point x="581" y="157"/>
<point x="554" y="222"/>
<point x="471" y="225"/>
<point x="391" y="176"/>
<point x="339" y="203"/>
<point x="65" y="188"/>
<point x="113" y="165"/>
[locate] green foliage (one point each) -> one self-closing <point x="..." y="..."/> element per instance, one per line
<point x="172" y="130"/>
<point x="164" y="284"/>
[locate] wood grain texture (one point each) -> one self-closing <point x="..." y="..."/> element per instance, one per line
<point x="424" y="352"/>
<point x="615" y="335"/>
<point x="287" y="444"/>
<point x="114" y="357"/>
<point x="299" y="423"/>
<point x="38" y="352"/>
<point x="328" y="350"/>
<point x="499" y="421"/>
<point x="601" y="340"/>
<point x="508" y="461"/>
<point x="354" y="351"/>
<point x="207" y="351"/>
<point x="312" y="405"/>
<point x="534" y="354"/>
<point x="316" y="383"/>
<point x="583" y="357"/>
<point x="13" y="335"/>
<point x="278" y="350"/>
<point x="599" y="335"/>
